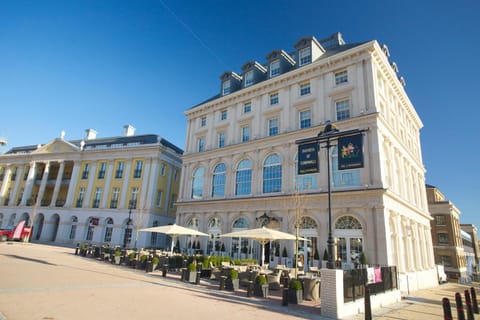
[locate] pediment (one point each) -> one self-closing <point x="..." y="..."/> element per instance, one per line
<point x="57" y="146"/>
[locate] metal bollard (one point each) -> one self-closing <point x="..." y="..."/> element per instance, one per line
<point x="459" y="303"/>
<point x="250" y="288"/>
<point x="468" y="303"/>
<point x="222" y="282"/>
<point x="285" y="296"/>
<point x="197" y="279"/>
<point x="447" y="310"/>
<point x="474" y="300"/>
<point x="368" y="307"/>
<point x="164" y="270"/>
<point x="77" y="248"/>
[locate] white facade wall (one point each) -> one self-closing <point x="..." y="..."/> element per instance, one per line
<point x="390" y="199"/>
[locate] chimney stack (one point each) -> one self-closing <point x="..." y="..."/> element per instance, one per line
<point x="128" y="130"/>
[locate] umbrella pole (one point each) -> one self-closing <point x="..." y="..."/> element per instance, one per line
<point x="173" y="244"/>
<point x="263" y="253"/>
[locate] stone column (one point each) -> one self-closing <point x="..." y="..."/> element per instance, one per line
<point x="108" y="181"/>
<point x="43" y="184"/>
<point x="27" y="193"/>
<point x="6" y="178"/>
<point x="126" y="179"/>
<point x="58" y="184"/>
<point x="331" y="293"/>
<point x="73" y="184"/>
<point x="91" y="178"/>
<point x="152" y="185"/>
<point x="18" y="179"/>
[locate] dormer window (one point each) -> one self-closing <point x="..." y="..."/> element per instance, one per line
<point x="226" y="87"/>
<point x="275" y="68"/>
<point x="248" y="78"/>
<point x="305" y="56"/>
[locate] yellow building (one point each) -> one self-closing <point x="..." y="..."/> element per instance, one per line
<point x="97" y="190"/>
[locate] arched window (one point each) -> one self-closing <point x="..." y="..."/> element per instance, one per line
<point x="108" y="230"/>
<point x="240" y="223"/>
<point x="197" y="183"/>
<point x="272" y="174"/>
<point x="193" y="223"/>
<point x="305" y="181"/>
<point x="243" y="179"/>
<point x="343" y="178"/>
<point x="307" y="223"/>
<point x="347" y="222"/>
<point x="349" y="240"/>
<point x="218" y="185"/>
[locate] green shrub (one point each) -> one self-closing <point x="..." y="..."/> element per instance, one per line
<point x="131" y="255"/>
<point x="261" y="279"/>
<point x="155" y="260"/>
<point x="295" y="285"/>
<point x="143" y="258"/>
<point x="117" y="253"/>
<point x="192" y="267"/>
<point x="233" y="274"/>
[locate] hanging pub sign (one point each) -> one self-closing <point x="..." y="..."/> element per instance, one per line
<point x="308" y="158"/>
<point x="350" y="152"/>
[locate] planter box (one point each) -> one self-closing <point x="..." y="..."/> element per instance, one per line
<point x="260" y="290"/>
<point x="206" y="273"/>
<point x="295" y="296"/>
<point x="232" y="284"/>
<point x="192" y="276"/>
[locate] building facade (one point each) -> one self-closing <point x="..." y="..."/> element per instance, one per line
<point x="240" y="163"/>
<point x="470" y="245"/>
<point x="96" y="190"/>
<point x="446" y="234"/>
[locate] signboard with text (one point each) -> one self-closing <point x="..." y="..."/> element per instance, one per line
<point x="308" y="158"/>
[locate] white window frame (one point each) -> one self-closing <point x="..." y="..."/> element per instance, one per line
<point x="274" y="98"/>
<point x="270" y="127"/>
<point x="301" y="118"/>
<point x="203" y="121"/>
<point x="223" y="115"/>
<point x="275" y="68"/>
<point x="305" y="89"/>
<point x="342" y="108"/>
<point x="248" y="78"/>
<point x="305" y="56"/>
<point x="245" y="133"/>
<point x="201" y="144"/>
<point x="341" y="77"/>
<point x="247" y="107"/>
<point x="221" y="139"/>
<point x="226" y="87"/>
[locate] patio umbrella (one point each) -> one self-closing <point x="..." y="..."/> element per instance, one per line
<point x="174" y="230"/>
<point x="262" y="235"/>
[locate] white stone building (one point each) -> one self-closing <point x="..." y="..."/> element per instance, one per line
<point x="239" y="166"/>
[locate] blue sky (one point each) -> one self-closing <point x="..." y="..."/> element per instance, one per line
<point x="72" y="65"/>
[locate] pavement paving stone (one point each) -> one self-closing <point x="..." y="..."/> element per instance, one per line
<point x="41" y="275"/>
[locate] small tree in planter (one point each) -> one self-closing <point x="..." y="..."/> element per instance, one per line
<point x="143" y="262"/>
<point x="260" y="288"/>
<point x="232" y="282"/>
<point x="295" y="294"/>
<point x="363" y="259"/>
<point x="117" y="255"/>
<point x="155" y="262"/>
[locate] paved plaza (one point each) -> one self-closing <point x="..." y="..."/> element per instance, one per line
<point x="47" y="282"/>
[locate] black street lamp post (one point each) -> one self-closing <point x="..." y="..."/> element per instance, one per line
<point x="326" y="136"/>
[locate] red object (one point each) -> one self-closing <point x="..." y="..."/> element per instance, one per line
<point x="20" y="232"/>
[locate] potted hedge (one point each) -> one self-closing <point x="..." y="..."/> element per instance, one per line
<point x="192" y="272"/>
<point x="155" y="262"/>
<point x="260" y="288"/>
<point x="117" y="256"/>
<point x="232" y="282"/>
<point x="132" y="261"/>
<point x="295" y="293"/>
<point x="142" y="264"/>
<point x="325" y="259"/>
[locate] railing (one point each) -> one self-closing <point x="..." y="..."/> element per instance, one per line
<point x="59" y="203"/>
<point x="378" y="280"/>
